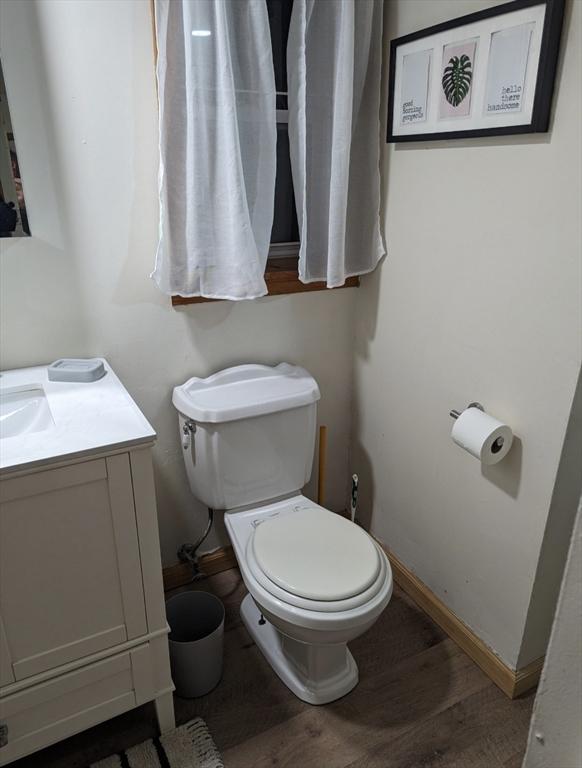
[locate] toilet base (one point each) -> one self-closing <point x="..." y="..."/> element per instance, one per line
<point x="316" y="674"/>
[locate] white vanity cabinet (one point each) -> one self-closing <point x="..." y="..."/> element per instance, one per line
<point x="83" y="634"/>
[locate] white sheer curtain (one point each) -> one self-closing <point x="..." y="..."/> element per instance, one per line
<point x="334" y="59"/>
<point x="218" y="134"/>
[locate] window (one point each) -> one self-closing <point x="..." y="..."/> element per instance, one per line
<point x="281" y="273"/>
<point x="285" y="232"/>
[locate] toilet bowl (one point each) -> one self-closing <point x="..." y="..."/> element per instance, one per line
<point x="305" y="638"/>
<point x="315" y="580"/>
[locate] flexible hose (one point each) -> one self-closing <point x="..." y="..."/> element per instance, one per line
<point x="206" y="532"/>
<point x="187" y="552"/>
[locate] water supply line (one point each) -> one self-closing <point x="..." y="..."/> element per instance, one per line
<point x="187" y="552"/>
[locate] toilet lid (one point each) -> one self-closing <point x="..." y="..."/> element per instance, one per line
<point x="316" y="554"/>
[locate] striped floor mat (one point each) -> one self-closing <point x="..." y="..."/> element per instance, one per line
<point x="189" y="746"/>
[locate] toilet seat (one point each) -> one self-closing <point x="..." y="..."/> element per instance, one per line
<point x="316" y="560"/>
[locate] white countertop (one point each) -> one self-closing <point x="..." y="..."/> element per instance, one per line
<point x="89" y="418"/>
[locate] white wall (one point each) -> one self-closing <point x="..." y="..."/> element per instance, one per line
<point x="555" y="737"/>
<point x="84" y="109"/>
<point x="478" y="299"/>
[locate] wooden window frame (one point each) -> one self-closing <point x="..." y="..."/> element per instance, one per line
<point x="282" y="278"/>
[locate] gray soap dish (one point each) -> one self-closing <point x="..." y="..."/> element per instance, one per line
<point x="76" y="369"/>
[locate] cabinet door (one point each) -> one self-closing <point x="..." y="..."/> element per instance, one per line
<point x="70" y="576"/>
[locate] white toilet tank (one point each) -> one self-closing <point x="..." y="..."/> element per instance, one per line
<point x="248" y="433"/>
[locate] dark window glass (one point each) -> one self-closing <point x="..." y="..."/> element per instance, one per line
<point x="285" y="228"/>
<point x="279" y="20"/>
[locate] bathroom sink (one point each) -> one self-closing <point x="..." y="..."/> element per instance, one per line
<point x="24" y="409"/>
<point x="43" y="421"/>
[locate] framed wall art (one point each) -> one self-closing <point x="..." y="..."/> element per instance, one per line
<point x="486" y="74"/>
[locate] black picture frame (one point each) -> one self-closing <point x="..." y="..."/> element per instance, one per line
<point x="545" y="77"/>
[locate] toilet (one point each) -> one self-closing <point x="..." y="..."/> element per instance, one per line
<point x="315" y="580"/>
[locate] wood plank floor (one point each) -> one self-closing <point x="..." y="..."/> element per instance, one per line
<point x="420" y="703"/>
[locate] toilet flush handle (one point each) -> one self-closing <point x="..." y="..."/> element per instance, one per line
<point x="188" y="430"/>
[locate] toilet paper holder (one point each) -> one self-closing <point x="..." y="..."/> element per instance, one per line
<point x="497" y="445"/>
<point x="455" y="414"/>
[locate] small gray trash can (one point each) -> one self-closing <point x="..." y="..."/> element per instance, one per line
<point x="196" y="622"/>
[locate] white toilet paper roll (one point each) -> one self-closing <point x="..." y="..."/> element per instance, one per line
<point x="484" y="437"/>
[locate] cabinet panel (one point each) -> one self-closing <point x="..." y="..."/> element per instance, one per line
<point x="67" y="536"/>
<point x="149" y="544"/>
<point x="53" y="479"/>
<point x="51" y="711"/>
<point x="55" y="657"/>
<point x="6" y="673"/>
<point x="126" y="541"/>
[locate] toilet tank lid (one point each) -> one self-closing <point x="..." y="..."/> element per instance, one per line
<point x="244" y="391"/>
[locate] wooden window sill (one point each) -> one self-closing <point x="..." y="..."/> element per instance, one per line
<point x="281" y="278"/>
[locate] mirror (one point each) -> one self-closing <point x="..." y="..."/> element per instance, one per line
<point x="13" y="218"/>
